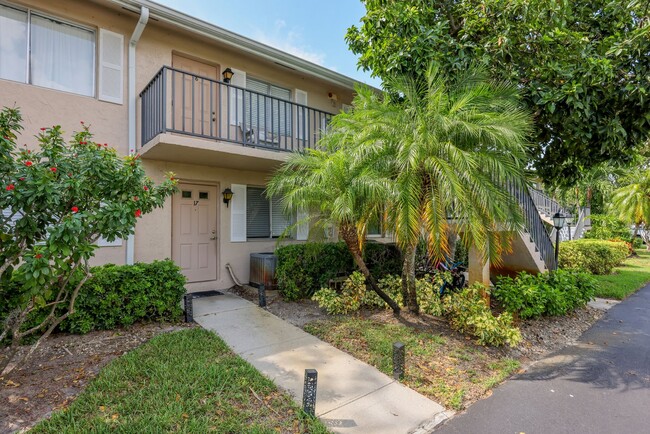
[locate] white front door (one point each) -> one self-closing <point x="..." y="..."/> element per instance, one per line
<point x="194" y="233"/>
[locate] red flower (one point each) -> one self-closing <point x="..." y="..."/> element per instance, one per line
<point x="138" y="213"/>
<point x="74" y="209"/>
<point x="83" y="143"/>
<point x="10" y="187"/>
<point x="21" y="179"/>
<point x="135" y="198"/>
<point x="28" y="163"/>
<point x="38" y="256"/>
<point x="53" y="169"/>
<point x="146" y="188"/>
<point x="43" y="129"/>
<point x="82" y="122"/>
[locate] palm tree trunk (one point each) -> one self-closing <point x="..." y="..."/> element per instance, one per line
<point x="408" y="279"/>
<point x="349" y="235"/>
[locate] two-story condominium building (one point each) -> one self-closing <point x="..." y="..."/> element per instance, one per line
<point x="219" y="110"/>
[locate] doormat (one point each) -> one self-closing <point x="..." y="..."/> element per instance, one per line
<point x="201" y="294"/>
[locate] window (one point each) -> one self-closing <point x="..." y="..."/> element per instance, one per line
<point x="61" y="55"/>
<point x="374" y="227"/>
<point x="267" y="110"/>
<point x="264" y="217"/>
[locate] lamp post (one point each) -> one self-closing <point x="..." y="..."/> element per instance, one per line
<point x="569" y="221"/>
<point x="558" y="223"/>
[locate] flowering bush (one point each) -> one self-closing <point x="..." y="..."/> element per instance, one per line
<point x="57" y="201"/>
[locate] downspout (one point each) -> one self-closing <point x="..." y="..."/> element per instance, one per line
<point x="135" y="37"/>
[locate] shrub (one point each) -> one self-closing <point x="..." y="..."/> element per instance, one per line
<point x="303" y="269"/>
<point x="605" y="227"/>
<point x="355" y="294"/>
<point x="468" y="313"/>
<point x="555" y="293"/>
<point x="119" y="295"/>
<point x="58" y="200"/>
<point x="594" y="256"/>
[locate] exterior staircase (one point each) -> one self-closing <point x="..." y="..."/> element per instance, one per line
<point x="533" y="250"/>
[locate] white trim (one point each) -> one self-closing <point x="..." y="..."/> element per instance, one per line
<point x="238" y="42"/>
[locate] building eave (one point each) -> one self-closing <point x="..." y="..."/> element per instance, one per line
<point x="211" y="31"/>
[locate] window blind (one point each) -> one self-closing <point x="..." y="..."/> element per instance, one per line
<point x="258" y="213"/>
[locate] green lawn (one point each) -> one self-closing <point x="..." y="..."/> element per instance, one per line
<point x="439" y="363"/>
<point x="187" y="381"/>
<point x="625" y="280"/>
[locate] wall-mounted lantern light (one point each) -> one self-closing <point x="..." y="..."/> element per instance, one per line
<point x="227" y="75"/>
<point x="227" y="196"/>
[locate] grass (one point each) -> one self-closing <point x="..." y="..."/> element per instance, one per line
<point x="626" y="279"/>
<point x="187" y="381"/>
<point x="452" y="371"/>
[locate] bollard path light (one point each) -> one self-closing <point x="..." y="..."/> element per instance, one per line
<point x="398" y="360"/>
<point x="309" y="392"/>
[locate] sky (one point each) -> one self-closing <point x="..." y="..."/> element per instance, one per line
<point x="310" y="29"/>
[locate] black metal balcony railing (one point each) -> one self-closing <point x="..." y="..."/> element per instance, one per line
<point x="180" y="102"/>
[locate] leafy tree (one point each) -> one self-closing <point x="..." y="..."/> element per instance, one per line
<point x="58" y="200"/>
<point x="631" y="203"/>
<point x="448" y="148"/>
<point x="583" y="66"/>
<point x="337" y="191"/>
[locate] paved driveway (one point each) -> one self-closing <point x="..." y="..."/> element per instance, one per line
<point x="600" y="385"/>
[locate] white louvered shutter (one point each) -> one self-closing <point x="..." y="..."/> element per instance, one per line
<point x="302" y="115"/>
<point x="111" y="66"/>
<point x="236" y="97"/>
<point x="302" y="230"/>
<point x="238" y="213"/>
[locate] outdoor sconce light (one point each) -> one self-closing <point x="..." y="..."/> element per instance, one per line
<point x="227" y="195"/>
<point x="227" y="75"/>
<point x="558" y="223"/>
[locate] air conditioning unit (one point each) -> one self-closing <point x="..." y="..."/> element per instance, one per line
<point x="262" y="270"/>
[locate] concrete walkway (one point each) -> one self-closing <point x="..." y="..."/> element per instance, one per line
<point x="352" y="396"/>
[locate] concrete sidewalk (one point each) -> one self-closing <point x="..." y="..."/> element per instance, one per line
<point x="352" y="396"/>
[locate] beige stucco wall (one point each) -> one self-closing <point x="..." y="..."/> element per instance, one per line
<point x="109" y="122"/>
<point x="154" y="231"/>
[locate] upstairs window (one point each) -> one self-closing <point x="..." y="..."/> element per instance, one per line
<point x="269" y="108"/>
<point x="47" y="52"/>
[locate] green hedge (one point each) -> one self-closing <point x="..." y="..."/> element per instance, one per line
<point x="594" y="256"/>
<point x="557" y="293"/>
<point x="119" y="295"/>
<point x="302" y="269"/>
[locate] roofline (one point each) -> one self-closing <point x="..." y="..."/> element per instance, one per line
<point x="195" y="25"/>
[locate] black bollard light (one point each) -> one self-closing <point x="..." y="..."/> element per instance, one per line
<point x="309" y="392"/>
<point x="189" y="308"/>
<point x="398" y="360"/>
<point x="261" y="293"/>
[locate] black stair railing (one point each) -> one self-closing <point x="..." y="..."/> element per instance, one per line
<point x="534" y="225"/>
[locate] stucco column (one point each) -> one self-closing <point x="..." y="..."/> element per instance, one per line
<point x="479" y="270"/>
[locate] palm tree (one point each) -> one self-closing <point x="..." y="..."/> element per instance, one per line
<point x="449" y="148"/>
<point x="631" y="202"/>
<point x="335" y="191"/>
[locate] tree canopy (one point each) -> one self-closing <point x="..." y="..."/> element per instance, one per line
<point x="583" y="67"/>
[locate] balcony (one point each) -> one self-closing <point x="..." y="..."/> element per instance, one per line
<point x="221" y="115"/>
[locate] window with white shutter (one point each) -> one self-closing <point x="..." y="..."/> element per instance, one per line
<point x="236" y="97"/>
<point x="238" y="213"/>
<point x="111" y="66"/>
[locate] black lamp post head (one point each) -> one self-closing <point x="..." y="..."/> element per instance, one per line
<point x="558" y="220"/>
